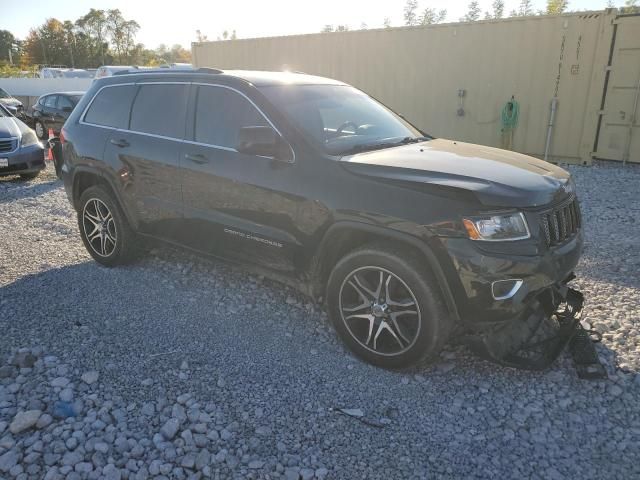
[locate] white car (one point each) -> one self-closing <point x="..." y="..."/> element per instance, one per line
<point x="108" y="70"/>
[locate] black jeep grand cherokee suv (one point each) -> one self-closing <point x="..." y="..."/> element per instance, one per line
<point x="408" y="238"/>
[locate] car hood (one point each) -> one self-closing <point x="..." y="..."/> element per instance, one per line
<point x="12" y="127"/>
<point x="10" y="101"/>
<point x="497" y="177"/>
<point x="9" y="127"/>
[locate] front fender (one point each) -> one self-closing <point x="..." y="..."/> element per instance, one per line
<point x="323" y="261"/>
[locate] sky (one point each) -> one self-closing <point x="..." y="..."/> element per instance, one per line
<point x="176" y="21"/>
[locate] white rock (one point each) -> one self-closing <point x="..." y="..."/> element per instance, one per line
<point x="24" y="421"/>
<point x="90" y="377"/>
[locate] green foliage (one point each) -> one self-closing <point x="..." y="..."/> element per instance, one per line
<point x="556" y="7"/>
<point x="100" y="37"/>
<point x="430" y="16"/>
<point x="473" y="12"/>
<point x="410" y="12"/>
<point x="498" y="8"/>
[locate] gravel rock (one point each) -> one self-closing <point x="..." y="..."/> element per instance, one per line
<point x="24" y="421"/>
<point x="90" y="377"/>
<point x="253" y="401"/>
<point x="170" y="428"/>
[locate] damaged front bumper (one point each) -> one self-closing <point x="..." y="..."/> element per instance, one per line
<point x="535" y="340"/>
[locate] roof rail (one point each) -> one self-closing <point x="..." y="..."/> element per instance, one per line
<point x="136" y="70"/>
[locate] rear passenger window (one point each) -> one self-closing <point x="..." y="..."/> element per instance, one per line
<point x="161" y="110"/>
<point x="220" y="113"/>
<point x="111" y="107"/>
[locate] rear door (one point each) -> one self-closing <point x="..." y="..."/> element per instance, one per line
<point x="149" y="150"/>
<point x="63" y="110"/>
<point x="49" y="111"/>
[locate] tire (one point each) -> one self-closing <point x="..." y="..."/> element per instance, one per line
<point x="388" y="272"/>
<point x="41" y="131"/>
<point x="114" y="242"/>
<point x="29" y="176"/>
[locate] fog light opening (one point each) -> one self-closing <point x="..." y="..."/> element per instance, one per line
<point x="505" y="289"/>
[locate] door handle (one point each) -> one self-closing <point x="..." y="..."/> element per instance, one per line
<point x="119" y="143"/>
<point x="196" y="158"/>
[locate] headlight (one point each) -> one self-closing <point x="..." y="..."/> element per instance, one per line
<point x="509" y="226"/>
<point x="29" y="138"/>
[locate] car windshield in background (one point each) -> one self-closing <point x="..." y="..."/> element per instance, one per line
<point x="75" y="99"/>
<point x="341" y="119"/>
<point x="4" y="94"/>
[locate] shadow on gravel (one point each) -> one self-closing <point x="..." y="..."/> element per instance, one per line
<point x="13" y="188"/>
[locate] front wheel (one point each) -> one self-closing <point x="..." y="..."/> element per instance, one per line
<point x="104" y="229"/>
<point x="41" y="131"/>
<point x="387" y="308"/>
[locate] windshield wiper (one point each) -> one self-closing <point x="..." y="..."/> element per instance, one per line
<point x="368" y="147"/>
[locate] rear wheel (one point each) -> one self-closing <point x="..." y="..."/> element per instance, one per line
<point x="104" y="229"/>
<point x="387" y="307"/>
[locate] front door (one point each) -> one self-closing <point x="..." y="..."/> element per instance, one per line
<point x="236" y="205"/>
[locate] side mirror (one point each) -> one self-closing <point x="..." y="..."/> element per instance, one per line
<point x="12" y="110"/>
<point x="263" y="142"/>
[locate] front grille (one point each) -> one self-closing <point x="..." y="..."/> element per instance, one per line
<point x="561" y="223"/>
<point x="7" y="145"/>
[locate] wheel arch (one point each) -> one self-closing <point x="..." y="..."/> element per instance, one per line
<point x="343" y="237"/>
<point x="85" y="177"/>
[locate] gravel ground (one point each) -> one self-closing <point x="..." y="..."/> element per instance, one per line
<point x="182" y="367"/>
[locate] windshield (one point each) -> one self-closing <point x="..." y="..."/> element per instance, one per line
<point x="75" y="99"/>
<point x="4" y="94"/>
<point x="341" y="119"/>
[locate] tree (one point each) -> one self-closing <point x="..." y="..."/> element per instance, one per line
<point x="431" y="16"/>
<point x="94" y="25"/>
<point x="200" y="37"/>
<point x="387" y="22"/>
<point x="473" y="14"/>
<point x="410" y="15"/>
<point x="122" y="33"/>
<point x="498" y="8"/>
<point x="556" y="7"/>
<point x="526" y="8"/>
<point x="630" y="6"/>
<point x="9" y="43"/>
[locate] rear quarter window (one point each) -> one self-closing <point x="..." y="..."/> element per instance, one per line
<point x="111" y="106"/>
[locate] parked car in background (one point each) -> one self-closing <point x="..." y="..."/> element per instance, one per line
<point x="181" y="66"/>
<point x="76" y="73"/>
<point x="51" y="72"/>
<point x="20" y="151"/>
<point x="52" y="110"/>
<point x="108" y="70"/>
<point x="14" y="105"/>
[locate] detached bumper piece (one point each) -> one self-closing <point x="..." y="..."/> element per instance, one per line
<point x="536" y="341"/>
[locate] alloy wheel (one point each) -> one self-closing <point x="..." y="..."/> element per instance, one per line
<point x="39" y="130"/>
<point x="379" y="310"/>
<point x="99" y="227"/>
